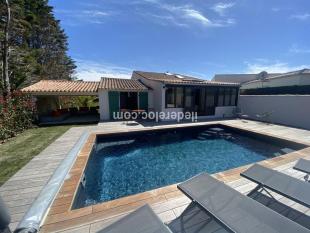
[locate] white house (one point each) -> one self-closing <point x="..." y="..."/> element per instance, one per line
<point x="241" y="78"/>
<point x="160" y="92"/>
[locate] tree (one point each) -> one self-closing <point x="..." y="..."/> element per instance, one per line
<point x="5" y="55"/>
<point x="38" y="44"/>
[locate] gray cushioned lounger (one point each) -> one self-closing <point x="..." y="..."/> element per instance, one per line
<point x="287" y="186"/>
<point x="142" y="220"/>
<point x="5" y="218"/>
<point x="303" y="165"/>
<point x="234" y="211"/>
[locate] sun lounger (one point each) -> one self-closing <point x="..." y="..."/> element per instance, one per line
<point x="5" y="218"/>
<point x="278" y="182"/>
<point x="303" y="165"/>
<point x="234" y="211"/>
<point x="142" y="220"/>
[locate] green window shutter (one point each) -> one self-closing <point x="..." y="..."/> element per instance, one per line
<point x="143" y="100"/>
<point x="113" y="103"/>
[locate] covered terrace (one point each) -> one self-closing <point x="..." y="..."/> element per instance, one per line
<point x="65" y="102"/>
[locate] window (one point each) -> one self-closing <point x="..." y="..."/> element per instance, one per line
<point x="210" y="101"/>
<point x="175" y="97"/>
<point x="196" y="97"/>
<point x="188" y="98"/>
<point x="179" y="92"/>
<point x="233" y="97"/>
<point x="221" y="95"/>
<point x="170" y="100"/>
<point x="227" y="97"/>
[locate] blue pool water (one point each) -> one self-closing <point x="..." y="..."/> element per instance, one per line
<point x="125" y="165"/>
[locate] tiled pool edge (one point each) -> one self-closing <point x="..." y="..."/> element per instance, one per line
<point x="61" y="216"/>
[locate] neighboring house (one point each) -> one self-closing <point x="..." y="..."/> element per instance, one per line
<point x="296" y="82"/>
<point x="282" y="99"/>
<point x="161" y="92"/>
<point x="241" y="78"/>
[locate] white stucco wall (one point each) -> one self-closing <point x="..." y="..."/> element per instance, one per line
<point x="150" y="99"/>
<point x="291" y="110"/>
<point x="156" y="100"/>
<point x="104" y="105"/>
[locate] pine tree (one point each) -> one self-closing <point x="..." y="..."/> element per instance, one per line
<point x="38" y="45"/>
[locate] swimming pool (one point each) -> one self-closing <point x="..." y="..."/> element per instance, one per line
<point x="132" y="163"/>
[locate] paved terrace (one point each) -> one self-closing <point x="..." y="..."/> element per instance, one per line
<point x="169" y="203"/>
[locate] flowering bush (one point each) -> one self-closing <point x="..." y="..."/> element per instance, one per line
<point x="16" y="114"/>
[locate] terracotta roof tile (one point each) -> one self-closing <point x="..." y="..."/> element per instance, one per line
<point x="121" y="84"/>
<point x="62" y="86"/>
<point x="179" y="79"/>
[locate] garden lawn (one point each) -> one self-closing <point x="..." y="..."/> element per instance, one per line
<point x="18" y="151"/>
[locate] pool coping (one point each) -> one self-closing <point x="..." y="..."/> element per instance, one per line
<point x="60" y="215"/>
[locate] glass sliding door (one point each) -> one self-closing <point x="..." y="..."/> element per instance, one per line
<point x="179" y="97"/>
<point x="200" y="99"/>
<point x="128" y="100"/>
<point x="233" y="97"/>
<point x="188" y="99"/>
<point x="221" y="95"/>
<point x="170" y="100"/>
<point x="210" y="101"/>
<point x="227" y="96"/>
<point x="201" y="102"/>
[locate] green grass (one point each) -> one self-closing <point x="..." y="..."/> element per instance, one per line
<point x="18" y="151"/>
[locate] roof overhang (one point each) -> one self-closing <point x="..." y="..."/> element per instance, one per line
<point x="123" y="85"/>
<point x="62" y="88"/>
<point x="209" y="84"/>
<point x="62" y="93"/>
<point x="124" y="90"/>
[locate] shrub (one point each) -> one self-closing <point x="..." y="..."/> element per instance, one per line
<point x="16" y="114"/>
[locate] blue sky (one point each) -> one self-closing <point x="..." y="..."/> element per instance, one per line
<point x="199" y="38"/>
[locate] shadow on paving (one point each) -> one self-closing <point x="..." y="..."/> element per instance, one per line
<point x="195" y="220"/>
<point x="282" y="209"/>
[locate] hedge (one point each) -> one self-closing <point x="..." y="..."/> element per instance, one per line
<point x="16" y="114"/>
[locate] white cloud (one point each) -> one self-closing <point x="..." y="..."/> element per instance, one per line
<point x="165" y="20"/>
<point x="296" y="49"/>
<point x="95" y="13"/>
<point x="275" y="67"/>
<point x="73" y="17"/>
<point x="301" y="17"/>
<point x="93" y="71"/>
<point x="221" y="8"/>
<point x="196" y="15"/>
<point x="184" y="15"/>
<point x="196" y="74"/>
